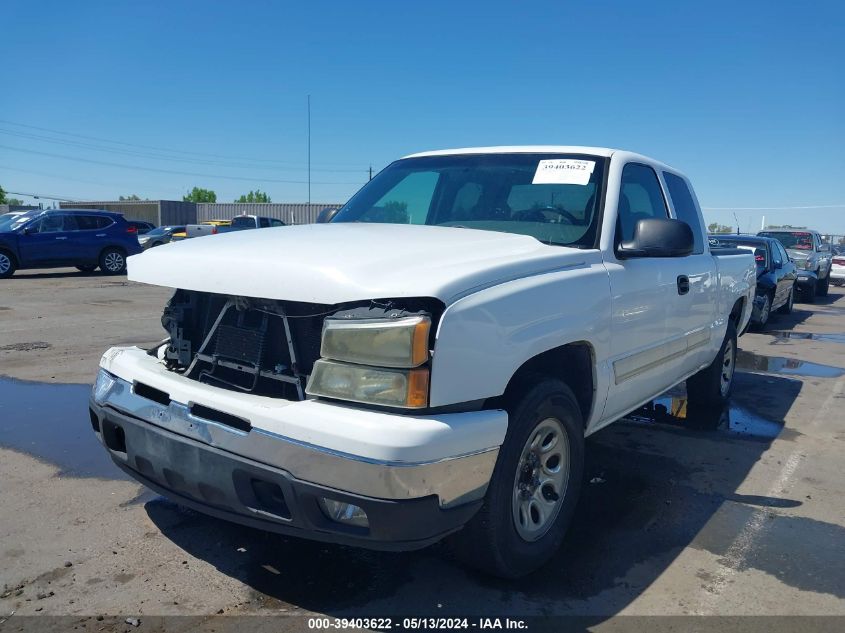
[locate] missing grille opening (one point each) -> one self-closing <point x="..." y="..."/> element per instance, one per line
<point x="227" y="419"/>
<point x="151" y="393"/>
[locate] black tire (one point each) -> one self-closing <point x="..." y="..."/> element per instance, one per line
<point x="823" y="286"/>
<point x="808" y="293"/>
<point x="491" y="541"/>
<point x="765" y="313"/>
<point x="786" y="308"/>
<point x="86" y="269"/>
<point x="113" y="261"/>
<point x="8" y="265"/>
<point x="709" y="388"/>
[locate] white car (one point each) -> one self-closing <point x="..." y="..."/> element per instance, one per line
<point x="428" y="363"/>
<point x="837" y="269"/>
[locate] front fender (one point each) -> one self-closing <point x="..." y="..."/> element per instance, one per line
<point x="482" y="339"/>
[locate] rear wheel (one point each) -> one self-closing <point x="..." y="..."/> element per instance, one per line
<point x="113" y="261"/>
<point x="765" y="313"/>
<point x="786" y="308"/>
<point x="712" y="386"/>
<point x="535" y="485"/>
<point x="7" y="265"/>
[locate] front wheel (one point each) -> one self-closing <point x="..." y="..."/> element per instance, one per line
<point x="535" y="485"/>
<point x="7" y="265"/>
<point x="712" y="386"/>
<point x="113" y="261"/>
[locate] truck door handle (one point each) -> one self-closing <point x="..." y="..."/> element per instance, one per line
<point x="100" y="235"/>
<point x="683" y="284"/>
<point x="61" y="238"/>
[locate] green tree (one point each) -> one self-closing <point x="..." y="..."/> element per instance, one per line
<point x="254" y="196"/>
<point x="15" y="202"/>
<point x="200" y="195"/>
<point x="129" y="197"/>
<point x="715" y="227"/>
<point x="3" y="196"/>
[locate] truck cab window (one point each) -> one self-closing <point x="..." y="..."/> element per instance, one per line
<point x="685" y="208"/>
<point x="640" y="198"/>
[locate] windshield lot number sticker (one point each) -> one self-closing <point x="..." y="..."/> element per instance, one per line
<point x="563" y="171"/>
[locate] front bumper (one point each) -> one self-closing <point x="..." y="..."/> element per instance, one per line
<point x="418" y="478"/>
<point x="250" y="493"/>
<point x="807" y="280"/>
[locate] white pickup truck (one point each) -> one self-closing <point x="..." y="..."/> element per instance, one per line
<point x="429" y="363"/>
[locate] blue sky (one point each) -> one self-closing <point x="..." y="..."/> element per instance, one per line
<point x="747" y="98"/>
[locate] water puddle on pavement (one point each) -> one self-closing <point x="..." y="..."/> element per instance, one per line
<point x="830" y="337"/>
<point x="750" y="361"/>
<point x="51" y="423"/>
<point x="732" y="420"/>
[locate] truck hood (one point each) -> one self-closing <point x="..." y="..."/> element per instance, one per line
<point x="335" y="263"/>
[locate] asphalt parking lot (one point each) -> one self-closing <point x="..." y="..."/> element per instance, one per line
<point x="746" y="519"/>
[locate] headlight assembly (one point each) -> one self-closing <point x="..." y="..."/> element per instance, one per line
<point x="399" y="342"/>
<point x="401" y="388"/>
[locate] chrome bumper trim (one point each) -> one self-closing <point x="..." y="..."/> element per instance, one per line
<point x="454" y="480"/>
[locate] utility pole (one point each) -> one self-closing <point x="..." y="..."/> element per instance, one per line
<point x="309" y="151"/>
<point x="371" y="172"/>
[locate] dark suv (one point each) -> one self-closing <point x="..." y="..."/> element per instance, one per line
<point x="85" y="238"/>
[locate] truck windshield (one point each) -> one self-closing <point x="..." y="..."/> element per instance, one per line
<point x="554" y="198"/>
<point x="797" y="240"/>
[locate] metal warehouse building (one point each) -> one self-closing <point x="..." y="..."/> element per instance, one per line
<point x="289" y="213"/>
<point x="159" y="212"/>
<point x="173" y="212"/>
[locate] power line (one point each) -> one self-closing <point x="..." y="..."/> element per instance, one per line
<point x="44" y="195"/>
<point x="161" y="149"/>
<point x="815" y="206"/>
<point x="129" y="152"/>
<point x="171" y="171"/>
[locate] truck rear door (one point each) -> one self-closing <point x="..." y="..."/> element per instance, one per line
<point x="644" y="291"/>
<point x="693" y="313"/>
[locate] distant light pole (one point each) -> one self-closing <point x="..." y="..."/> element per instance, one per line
<point x="309" y="152"/>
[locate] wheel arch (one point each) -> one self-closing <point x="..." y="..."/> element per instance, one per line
<point x="573" y="363"/>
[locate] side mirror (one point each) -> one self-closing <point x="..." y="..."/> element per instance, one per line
<point x="28" y="229"/>
<point x="778" y="265"/>
<point x="658" y="237"/>
<point x="824" y="248"/>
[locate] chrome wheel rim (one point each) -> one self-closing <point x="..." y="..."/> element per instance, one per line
<point x="541" y="480"/>
<point x="114" y="261"/>
<point x="728" y="363"/>
<point x="5" y="264"/>
<point x="765" y="310"/>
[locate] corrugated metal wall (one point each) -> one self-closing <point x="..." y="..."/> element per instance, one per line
<point x="289" y="213"/>
<point x="173" y="212"/>
<point x="159" y="212"/>
<point x="5" y="208"/>
<point x="144" y="210"/>
<point x="176" y="213"/>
